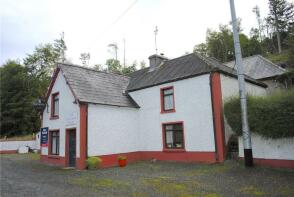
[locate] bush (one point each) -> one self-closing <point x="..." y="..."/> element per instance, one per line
<point x="271" y="116"/>
<point x="93" y="162"/>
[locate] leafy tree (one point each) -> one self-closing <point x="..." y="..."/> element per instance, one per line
<point x="281" y="16"/>
<point x="113" y="65"/>
<point x="201" y="49"/>
<point x="16" y="96"/>
<point x="129" y="69"/>
<point x="98" y="67"/>
<point x="142" y="64"/>
<point x="40" y="64"/>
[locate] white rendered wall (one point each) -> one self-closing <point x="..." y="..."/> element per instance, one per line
<point x="270" y="148"/>
<point x="68" y="115"/>
<point x="112" y="130"/>
<point x="15" y="145"/>
<point x="230" y="88"/>
<point x="193" y="107"/>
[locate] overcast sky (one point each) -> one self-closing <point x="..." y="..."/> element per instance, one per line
<point x="90" y="25"/>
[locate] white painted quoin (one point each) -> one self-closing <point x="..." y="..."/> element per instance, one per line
<point x="111" y="121"/>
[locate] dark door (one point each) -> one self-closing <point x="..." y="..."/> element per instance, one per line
<point x="72" y="148"/>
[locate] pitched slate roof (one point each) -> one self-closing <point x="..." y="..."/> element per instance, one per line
<point x="179" y="68"/>
<point x="97" y="87"/>
<point x="258" y="67"/>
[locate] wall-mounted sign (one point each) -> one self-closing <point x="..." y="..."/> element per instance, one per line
<point x="44" y="136"/>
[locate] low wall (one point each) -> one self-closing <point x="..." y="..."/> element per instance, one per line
<point x="272" y="152"/>
<point x="12" y="146"/>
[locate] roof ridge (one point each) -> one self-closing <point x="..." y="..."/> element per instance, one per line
<point x="275" y="65"/>
<point x="91" y="69"/>
<point x="205" y="60"/>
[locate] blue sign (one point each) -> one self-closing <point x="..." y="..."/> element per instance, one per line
<point x="44" y="136"/>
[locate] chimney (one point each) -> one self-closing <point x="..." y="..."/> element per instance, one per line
<point x="155" y="61"/>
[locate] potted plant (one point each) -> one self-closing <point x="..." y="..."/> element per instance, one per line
<point x="122" y="160"/>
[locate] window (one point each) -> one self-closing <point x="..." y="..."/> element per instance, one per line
<point x="167" y="100"/>
<point x="173" y="136"/>
<point x="54" y="136"/>
<point x="55" y="105"/>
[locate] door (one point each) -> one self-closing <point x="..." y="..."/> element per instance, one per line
<point x="72" y="148"/>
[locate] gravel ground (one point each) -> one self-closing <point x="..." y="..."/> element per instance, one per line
<point x="24" y="175"/>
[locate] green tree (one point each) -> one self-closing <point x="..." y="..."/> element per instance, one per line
<point x="41" y="63"/>
<point x="18" y="116"/>
<point x="201" y="49"/>
<point x="281" y="16"/>
<point x="85" y="58"/>
<point x="129" y="69"/>
<point x="114" y="66"/>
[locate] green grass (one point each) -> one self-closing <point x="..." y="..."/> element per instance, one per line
<point x="252" y="190"/>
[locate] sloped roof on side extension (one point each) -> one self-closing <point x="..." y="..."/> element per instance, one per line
<point x="258" y="67"/>
<point x="180" y="68"/>
<point x="91" y="86"/>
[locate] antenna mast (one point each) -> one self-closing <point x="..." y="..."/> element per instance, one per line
<point x="155" y="34"/>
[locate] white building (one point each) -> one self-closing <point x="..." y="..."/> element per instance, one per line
<point x="171" y="110"/>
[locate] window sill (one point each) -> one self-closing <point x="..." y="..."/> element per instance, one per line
<point x="54" y="156"/>
<point x="169" y="111"/>
<point x="54" y="117"/>
<point x="174" y="150"/>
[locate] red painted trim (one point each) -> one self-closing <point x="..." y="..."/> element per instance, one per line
<point x="8" y="151"/>
<point x="217" y="106"/>
<point x="57" y="160"/>
<point x="83" y="137"/>
<point x="53" y="79"/>
<point x="163" y="138"/>
<point x="163" y="111"/>
<point x="191" y="157"/>
<point x="67" y="144"/>
<point x="49" y="143"/>
<point x="276" y="163"/>
<point x="52" y="116"/>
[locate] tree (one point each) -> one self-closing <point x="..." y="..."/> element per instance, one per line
<point x="17" y="94"/>
<point x="98" y="67"/>
<point x="113" y="66"/>
<point x="85" y="58"/>
<point x="41" y="63"/>
<point x="129" y="69"/>
<point x="256" y="10"/>
<point x="201" y="49"/>
<point x="281" y="16"/>
<point x="142" y="64"/>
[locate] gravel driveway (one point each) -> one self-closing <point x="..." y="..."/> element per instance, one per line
<point x="24" y="175"/>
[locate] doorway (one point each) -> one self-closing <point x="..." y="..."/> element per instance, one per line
<point x="71" y="147"/>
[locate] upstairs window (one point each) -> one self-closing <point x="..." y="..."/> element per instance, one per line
<point x="173" y="136"/>
<point x="167" y="100"/>
<point x="55" y="105"/>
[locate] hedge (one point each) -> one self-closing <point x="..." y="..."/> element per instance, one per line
<point x="271" y="116"/>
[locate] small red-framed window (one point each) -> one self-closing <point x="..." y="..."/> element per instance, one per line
<point x="54" y="142"/>
<point x="173" y="136"/>
<point x="167" y="99"/>
<point x="55" y="105"/>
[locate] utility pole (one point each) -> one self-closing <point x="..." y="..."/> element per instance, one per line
<point x="245" y="127"/>
<point x="62" y="53"/>
<point x="155" y="34"/>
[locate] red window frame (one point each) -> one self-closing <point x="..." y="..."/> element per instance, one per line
<point x="50" y="143"/>
<point x="53" y="116"/>
<point x="182" y="149"/>
<point x="162" y="100"/>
